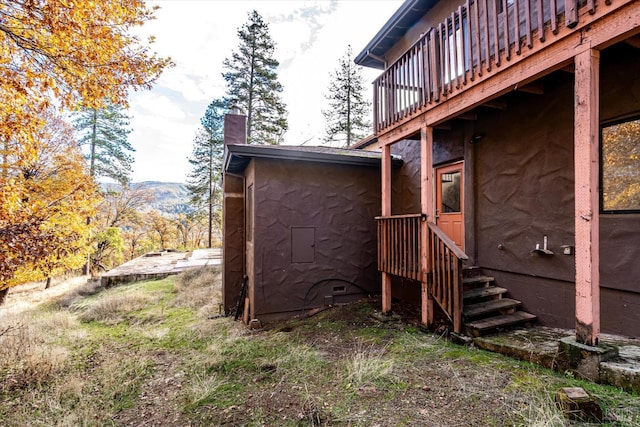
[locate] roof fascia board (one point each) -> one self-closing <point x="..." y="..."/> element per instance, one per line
<point x="374" y="62"/>
<point x="247" y="152"/>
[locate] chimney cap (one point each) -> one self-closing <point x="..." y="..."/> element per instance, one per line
<point x="235" y="108"/>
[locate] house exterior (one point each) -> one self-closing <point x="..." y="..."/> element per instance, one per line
<point x="299" y="228"/>
<point x="519" y="125"/>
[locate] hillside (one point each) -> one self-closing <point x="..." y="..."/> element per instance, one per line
<point x="170" y="197"/>
<point x="155" y="353"/>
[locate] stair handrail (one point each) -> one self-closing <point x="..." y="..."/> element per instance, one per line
<point x="444" y="278"/>
<point x="459" y="253"/>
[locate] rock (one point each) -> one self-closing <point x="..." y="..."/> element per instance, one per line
<point x="578" y="405"/>
<point x="255" y="324"/>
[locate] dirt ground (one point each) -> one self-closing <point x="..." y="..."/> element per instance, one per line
<point x="449" y="386"/>
<point x="341" y="367"/>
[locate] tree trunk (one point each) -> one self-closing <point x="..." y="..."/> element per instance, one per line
<point x="210" y="193"/>
<point x="47" y="285"/>
<point x="3" y="295"/>
<point x="86" y="269"/>
<point x="94" y="132"/>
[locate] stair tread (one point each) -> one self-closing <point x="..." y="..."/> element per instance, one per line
<point x="484" y="307"/>
<point x="484" y="292"/>
<point x="477" y="279"/>
<point x="500" y="321"/>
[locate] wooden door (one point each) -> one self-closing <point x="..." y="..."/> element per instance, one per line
<point x="450" y="202"/>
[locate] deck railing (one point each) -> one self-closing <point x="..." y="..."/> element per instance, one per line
<point x="465" y="46"/>
<point x="399" y="245"/>
<point x="399" y="253"/>
<point x="446" y="259"/>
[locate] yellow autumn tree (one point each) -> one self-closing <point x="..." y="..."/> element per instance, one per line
<point x="118" y="220"/>
<point x="57" y="54"/>
<point x="44" y="204"/>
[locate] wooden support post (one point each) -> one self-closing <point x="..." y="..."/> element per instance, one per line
<point x="386" y="211"/>
<point x="426" y="201"/>
<point x="586" y="160"/>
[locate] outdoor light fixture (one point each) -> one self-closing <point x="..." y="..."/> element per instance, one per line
<point x="476" y="137"/>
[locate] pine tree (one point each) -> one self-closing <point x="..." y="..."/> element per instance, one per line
<point x="206" y="162"/>
<point x="252" y="80"/>
<point x="104" y="132"/>
<point x="348" y="108"/>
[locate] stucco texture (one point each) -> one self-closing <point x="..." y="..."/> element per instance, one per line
<point x="338" y="203"/>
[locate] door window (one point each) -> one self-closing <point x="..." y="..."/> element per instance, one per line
<point x="450" y="192"/>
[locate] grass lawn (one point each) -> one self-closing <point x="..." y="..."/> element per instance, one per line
<point x="152" y="353"/>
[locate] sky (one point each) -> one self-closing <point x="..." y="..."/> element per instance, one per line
<point x="310" y="38"/>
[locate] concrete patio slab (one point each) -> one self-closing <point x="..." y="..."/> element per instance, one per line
<point x="157" y="265"/>
<point x="540" y="345"/>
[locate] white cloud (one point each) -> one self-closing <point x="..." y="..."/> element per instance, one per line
<point x="154" y="104"/>
<point x="310" y="36"/>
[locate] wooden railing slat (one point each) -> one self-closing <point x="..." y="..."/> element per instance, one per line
<point x="405" y="83"/>
<point x="571" y="13"/>
<point x="516" y="25"/>
<point x="527" y="22"/>
<point x="553" y="11"/>
<point x="469" y="46"/>
<point x="541" y="28"/>
<point x="468" y="43"/>
<point x="505" y="28"/>
<point x="454" y="46"/>
<point x="457" y="297"/>
<point x="496" y="37"/>
<point x="487" y="44"/>
<point x="433" y="56"/>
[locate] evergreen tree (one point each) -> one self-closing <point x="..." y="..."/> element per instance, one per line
<point x="206" y="162"/>
<point x="346" y="120"/>
<point x="104" y="132"/>
<point x="252" y="80"/>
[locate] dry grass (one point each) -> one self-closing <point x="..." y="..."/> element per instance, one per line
<point x="366" y="365"/>
<point x="148" y="354"/>
<point x="31" y="295"/>
<point x="200" y="289"/>
<point x="90" y="287"/>
<point x="202" y="386"/>
<point x="30" y="355"/>
<point x="115" y="308"/>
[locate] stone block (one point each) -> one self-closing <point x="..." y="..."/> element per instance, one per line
<point x="578" y="405"/>
<point x="582" y="359"/>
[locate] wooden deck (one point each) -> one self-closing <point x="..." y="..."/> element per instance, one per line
<point x="479" y="42"/>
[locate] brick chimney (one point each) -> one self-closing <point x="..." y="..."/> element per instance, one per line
<point x="235" y="126"/>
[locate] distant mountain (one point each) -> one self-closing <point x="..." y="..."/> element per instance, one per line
<point x="170" y="197"/>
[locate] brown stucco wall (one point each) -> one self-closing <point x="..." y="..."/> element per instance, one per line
<point x="405" y="180"/>
<point x="233" y="240"/>
<point x="524" y="183"/>
<point x="519" y="188"/>
<point x="340" y="203"/>
<point x="524" y="190"/>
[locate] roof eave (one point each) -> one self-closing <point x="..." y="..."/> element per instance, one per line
<point x="410" y="12"/>
<point x="242" y="154"/>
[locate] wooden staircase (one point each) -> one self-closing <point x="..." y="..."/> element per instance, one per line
<point x="486" y="309"/>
